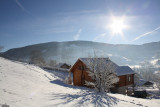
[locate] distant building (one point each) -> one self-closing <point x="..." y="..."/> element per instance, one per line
<point x="141" y="82"/>
<point x="144" y="83"/>
<point x="148" y="84"/>
<point x="63" y="65"/>
<point x="125" y="74"/>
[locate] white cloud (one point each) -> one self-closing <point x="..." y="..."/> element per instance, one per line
<point x="76" y="37"/>
<point x="135" y="66"/>
<point x="99" y="36"/>
<point x="145" y="34"/>
<point x="22" y="7"/>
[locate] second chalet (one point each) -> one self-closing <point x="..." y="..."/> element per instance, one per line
<point x="125" y="74"/>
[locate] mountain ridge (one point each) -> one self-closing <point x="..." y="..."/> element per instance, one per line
<point x="70" y="51"/>
<point x="80" y="41"/>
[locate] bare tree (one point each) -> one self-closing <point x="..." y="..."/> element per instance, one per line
<point x="136" y="79"/>
<point x="68" y="79"/>
<point x="102" y="74"/>
<point x="146" y="71"/>
<point x="36" y="57"/>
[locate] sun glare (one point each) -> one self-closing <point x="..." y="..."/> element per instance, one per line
<point x="117" y="26"/>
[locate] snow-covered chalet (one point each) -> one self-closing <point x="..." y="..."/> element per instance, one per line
<point x="125" y="74"/>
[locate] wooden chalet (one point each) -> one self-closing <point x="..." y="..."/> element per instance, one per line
<point x="125" y="74"/>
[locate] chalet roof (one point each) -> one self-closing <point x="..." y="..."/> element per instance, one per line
<point x="141" y="82"/>
<point x="88" y="61"/>
<point x="119" y="70"/>
<point x="124" y="70"/>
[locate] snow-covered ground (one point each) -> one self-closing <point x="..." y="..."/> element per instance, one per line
<point x="23" y="85"/>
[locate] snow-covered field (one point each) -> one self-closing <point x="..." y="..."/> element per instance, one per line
<point x="23" y="85"/>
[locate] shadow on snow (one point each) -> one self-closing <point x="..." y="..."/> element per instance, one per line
<point x="61" y="83"/>
<point x="60" y="74"/>
<point x="83" y="98"/>
<point x="86" y="97"/>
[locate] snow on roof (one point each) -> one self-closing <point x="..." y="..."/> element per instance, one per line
<point x="120" y="70"/>
<point x="141" y="82"/>
<point x="124" y="70"/>
<point x="61" y="64"/>
<point x="97" y="61"/>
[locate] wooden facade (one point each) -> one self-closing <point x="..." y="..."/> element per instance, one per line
<point x="125" y="80"/>
<point x="80" y="76"/>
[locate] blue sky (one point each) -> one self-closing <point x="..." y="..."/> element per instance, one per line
<point x="26" y="22"/>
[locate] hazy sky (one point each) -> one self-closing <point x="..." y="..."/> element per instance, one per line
<point x="26" y="22"/>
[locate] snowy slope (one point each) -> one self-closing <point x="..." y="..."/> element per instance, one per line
<point x="23" y="85"/>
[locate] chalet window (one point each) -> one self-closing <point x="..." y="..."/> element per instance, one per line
<point x="82" y="68"/>
<point x="79" y="67"/>
<point x="129" y="78"/>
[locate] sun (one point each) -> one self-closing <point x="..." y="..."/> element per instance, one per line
<point x="117" y="25"/>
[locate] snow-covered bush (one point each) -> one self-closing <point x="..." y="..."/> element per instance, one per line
<point x="68" y="80"/>
<point x="102" y="74"/>
<point x="136" y="79"/>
